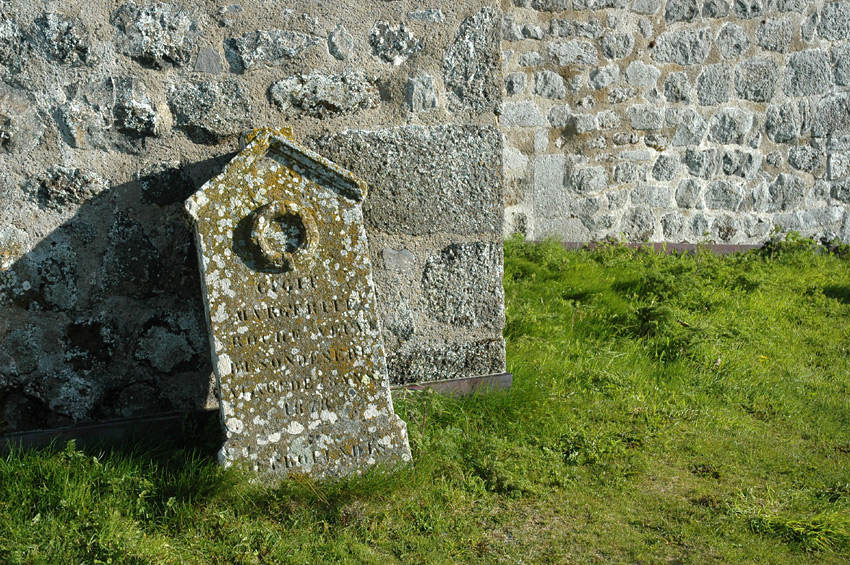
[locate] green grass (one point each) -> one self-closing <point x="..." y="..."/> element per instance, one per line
<point x="665" y="408"/>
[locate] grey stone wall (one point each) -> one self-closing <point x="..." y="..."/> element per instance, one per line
<point x="112" y="113"/>
<point x="676" y="120"/>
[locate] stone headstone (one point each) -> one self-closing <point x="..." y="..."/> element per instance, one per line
<point x="296" y="342"/>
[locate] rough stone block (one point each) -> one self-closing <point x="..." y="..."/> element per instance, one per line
<point x="732" y="41"/>
<point x="462" y="285"/>
<point x="64" y="39"/>
<point x="625" y="173"/>
<point x="638" y="224"/>
<point x="681" y="11"/>
<point x="688" y="194"/>
<point x="423" y="181"/>
<point x="835" y="21"/>
<point x="134" y="111"/>
<point x="673" y="227"/>
<point x="530" y="59"/>
<point x="584" y="180"/>
<point x="713" y="85"/>
<point x="616" y="45"/>
<point x="692" y="129"/>
<point x="604" y="76"/>
<point x="723" y="195"/>
<point x="530" y="31"/>
<point x="267" y="48"/>
<point x="677" y="87"/>
<point x="511" y="31"/>
<point x="683" y="47"/>
<point x="646" y="117"/>
<point x="158" y="34"/>
<point x="430" y="16"/>
<point x="783" y="123"/>
<point x="715" y="8"/>
<point x="646" y="6"/>
<point x="515" y="83"/>
<point x="62" y="186"/>
<point x="522" y="114"/>
<point x="787" y="192"/>
<point x="756" y="79"/>
<point x="652" y="196"/>
<point x="421" y="93"/>
<point x="808" y="73"/>
<point x="393" y="44"/>
<point x="573" y="52"/>
<point x="805" y="158"/>
<point x="838" y="165"/>
<point x="21" y="128"/>
<point x="549" y="85"/>
<point x="438" y="361"/>
<point x="210" y="111"/>
<point x="620" y="95"/>
<point x="840" y="56"/>
<point x="832" y="115"/>
<point x="727" y="229"/>
<point x="14" y="45"/>
<point x="583" y="123"/>
<point x="666" y="167"/>
<point x="730" y="125"/>
<point x="340" y="43"/>
<point x="640" y="74"/>
<point x="550" y="196"/>
<point x="472" y="62"/>
<point x="774" y="35"/>
<point x="741" y="163"/>
<point x="749" y="9"/>
<point x="702" y="163"/>
<point x="208" y="61"/>
<point x="608" y="119"/>
<point x="560" y="116"/>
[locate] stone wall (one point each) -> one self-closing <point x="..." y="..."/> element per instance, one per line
<point x="676" y="120"/>
<point x="112" y="113"/>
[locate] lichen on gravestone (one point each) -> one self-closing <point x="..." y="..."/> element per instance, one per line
<point x="295" y="337"/>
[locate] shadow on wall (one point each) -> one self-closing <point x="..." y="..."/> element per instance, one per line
<point x="104" y="317"/>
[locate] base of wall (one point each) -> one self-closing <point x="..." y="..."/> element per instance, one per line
<point x="184" y="427"/>
<point x="719" y="249"/>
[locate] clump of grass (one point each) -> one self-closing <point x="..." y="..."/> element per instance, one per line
<point x="665" y="407"/>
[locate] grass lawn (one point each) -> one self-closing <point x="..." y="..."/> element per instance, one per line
<point x="665" y="409"/>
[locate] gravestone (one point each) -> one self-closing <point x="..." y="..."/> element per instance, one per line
<point x="290" y="302"/>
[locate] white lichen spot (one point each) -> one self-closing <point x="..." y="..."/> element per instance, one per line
<point x="275" y="437"/>
<point x="223" y="365"/>
<point x="329" y="416"/>
<point x="371" y="412"/>
<point x="234" y="425"/>
<point x="226" y="408"/>
<point x="294" y="428"/>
